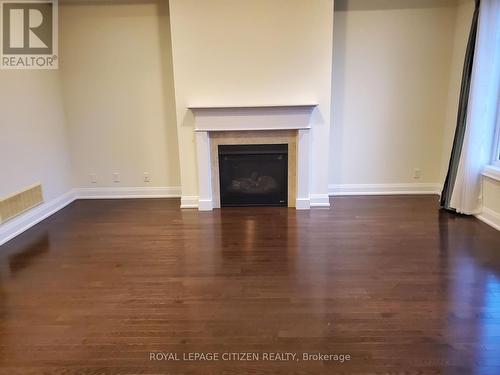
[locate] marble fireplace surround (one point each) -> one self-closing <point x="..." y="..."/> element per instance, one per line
<point x="289" y="124"/>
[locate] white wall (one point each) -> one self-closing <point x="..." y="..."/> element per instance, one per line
<point x="255" y="52"/>
<point x="118" y="87"/>
<point x="391" y="79"/>
<point x="33" y="138"/>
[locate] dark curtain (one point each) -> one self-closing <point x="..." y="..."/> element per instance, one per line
<point x="462" y="114"/>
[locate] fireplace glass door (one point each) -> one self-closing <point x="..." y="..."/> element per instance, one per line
<point x="253" y="175"/>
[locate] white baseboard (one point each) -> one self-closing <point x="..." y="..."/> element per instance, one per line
<point x="302" y="204"/>
<point x="320" y="200"/>
<point x="490" y="217"/>
<point x="23" y="222"/>
<point x="384" y="189"/>
<point x="128" y="192"/>
<point x="205" y="205"/>
<point x="188" y="201"/>
<point x="18" y="225"/>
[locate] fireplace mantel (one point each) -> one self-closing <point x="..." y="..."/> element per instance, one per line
<point x="297" y="105"/>
<point x="254" y="119"/>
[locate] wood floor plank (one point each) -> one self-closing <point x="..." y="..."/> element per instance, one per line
<point x="395" y="283"/>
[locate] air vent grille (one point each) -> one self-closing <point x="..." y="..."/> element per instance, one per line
<point x="20" y="202"/>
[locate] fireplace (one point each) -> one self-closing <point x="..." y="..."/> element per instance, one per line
<point x="253" y="175"/>
<point x="221" y="125"/>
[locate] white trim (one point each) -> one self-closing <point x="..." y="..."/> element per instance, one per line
<point x="252" y="118"/>
<point x="248" y="129"/>
<point x="188" y="201"/>
<point x="23" y="222"/>
<point x="205" y="205"/>
<point x="128" y="192"/>
<point x="204" y="161"/>
<point x="302" y="204"/>
<point x="384" y="189"/>
<point x="490" y="217"/>
<point x="303" y="178"/>
<point x="240" y="106"/>
<point x="320" y="200"/>
<point x="492" y="172"/>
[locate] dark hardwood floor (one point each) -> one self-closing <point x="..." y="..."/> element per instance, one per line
<point x="394" y="283"/>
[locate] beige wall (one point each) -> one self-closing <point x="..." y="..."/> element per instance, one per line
<point x="397" y="65"/>
<point x="118" y="87"/>
<point x="33" y="138"/>
<point x="257" y="52"/>
<point x="391" y="79"/>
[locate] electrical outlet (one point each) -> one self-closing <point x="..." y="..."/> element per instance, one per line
<point x="417" y="173"/>
<point x="116" y="177"/>
<point x="147" y="177"/>
<point x="93" y="178"/>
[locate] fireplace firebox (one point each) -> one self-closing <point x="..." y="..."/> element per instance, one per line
<point x="253" y="175"/>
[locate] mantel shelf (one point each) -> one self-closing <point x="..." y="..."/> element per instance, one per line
<point x="295" y="116"/>
<point x="257" y="106"/>
<point x="215" y="129"/>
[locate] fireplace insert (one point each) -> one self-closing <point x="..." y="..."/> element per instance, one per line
<point x="253" y="175"/>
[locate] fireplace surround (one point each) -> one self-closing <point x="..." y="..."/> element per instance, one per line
<point x="235" y="125"/>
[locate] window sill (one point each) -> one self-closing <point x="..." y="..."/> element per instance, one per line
<point x="493" y="172"/>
